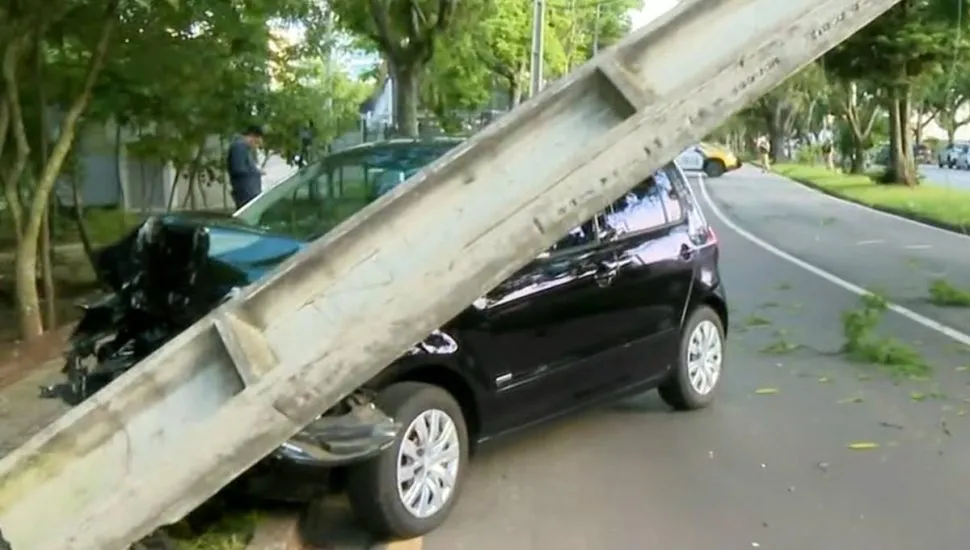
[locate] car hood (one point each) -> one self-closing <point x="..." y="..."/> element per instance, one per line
<point x="235" y="243"/>
<point x="183" y="264"/>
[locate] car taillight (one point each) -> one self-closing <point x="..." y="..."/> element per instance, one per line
<point x="711" y="235"/>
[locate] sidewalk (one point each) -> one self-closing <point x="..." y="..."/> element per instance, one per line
<point x="22" y="412"/>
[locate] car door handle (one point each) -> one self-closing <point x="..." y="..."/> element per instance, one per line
<point x="686" y="252"/>
<point x="605" y="276"/>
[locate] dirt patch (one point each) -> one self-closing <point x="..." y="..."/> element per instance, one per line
<point x="22" y="411"/>
<point x="75" y="282"/>
<point x="19" y="359"/>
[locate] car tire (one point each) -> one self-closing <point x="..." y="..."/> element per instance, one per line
<point x="373" y="486"/>
<point x="714" y="168"/>
<point x="685" y="390"/>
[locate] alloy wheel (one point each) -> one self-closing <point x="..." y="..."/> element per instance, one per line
<point x="427" y="463"/>
<point x="704" y="357"/>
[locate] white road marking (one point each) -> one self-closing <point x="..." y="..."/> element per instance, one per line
<point x="923" y="320"/>
<point x="872" y="241"/>
<point x="917" y="246"/>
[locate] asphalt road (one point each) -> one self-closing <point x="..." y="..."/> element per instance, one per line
<point x="957" y="179"/>
<point x="762" y="470"/>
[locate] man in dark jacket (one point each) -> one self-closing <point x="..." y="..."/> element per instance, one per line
<point x="245" y="177"/>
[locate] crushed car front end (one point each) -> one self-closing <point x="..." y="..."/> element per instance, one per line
<point x="170" y="273"/>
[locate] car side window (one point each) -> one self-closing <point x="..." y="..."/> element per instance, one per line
<point x="584" y="234"/>
<point x="669" y="187"/>
<point x="651" y="204"/>
<point x="639" y="209"/>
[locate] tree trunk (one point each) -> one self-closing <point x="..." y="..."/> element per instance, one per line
<point x="25" y="269"/>
<point x="172" y="193"/>
<point x="515" y="93"/>
<point x="407" y="81"/>
<point x="47" y="273"/>
<point x="857" y="159"/>
<point x="951" y="135"/>
<point x="900" y="169"/>
<point x="82" y="226"/>
<point x="119" y="169"/>
<point x="775" y="121"/>
<point x="46" y="250"/>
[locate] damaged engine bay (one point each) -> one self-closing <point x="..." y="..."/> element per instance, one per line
<point x="163" y="278"/>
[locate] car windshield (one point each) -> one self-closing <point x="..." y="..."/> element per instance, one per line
<point x="320" y="196"/>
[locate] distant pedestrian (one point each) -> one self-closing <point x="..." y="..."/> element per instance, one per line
<point x="245" y="176"/>
<point x="764" y="151"/>
<point x="828" y="154"/>
<point x="307" y="134"/>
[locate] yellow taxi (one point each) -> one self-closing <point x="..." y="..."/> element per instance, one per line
<point x="711" y="159"/>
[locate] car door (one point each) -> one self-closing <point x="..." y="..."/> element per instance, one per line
<point x="652" y="250"/>
<point x="532" y="331"/>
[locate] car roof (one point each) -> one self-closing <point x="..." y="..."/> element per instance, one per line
<point x="399" y="143"/>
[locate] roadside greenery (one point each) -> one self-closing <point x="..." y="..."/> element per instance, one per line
<point x="880" y="88"/>
<point x="931" y="203"/>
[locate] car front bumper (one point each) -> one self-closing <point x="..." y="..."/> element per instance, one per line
<point x="335" y="440"/>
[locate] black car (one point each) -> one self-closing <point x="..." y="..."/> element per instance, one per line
<point x="629" y="301"/>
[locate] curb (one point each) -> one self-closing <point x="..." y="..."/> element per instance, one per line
<point x="278" y="532"/>
<point x="953" y="228"/>
<point x="286" y="531"/>
<point x="410" y="544"/>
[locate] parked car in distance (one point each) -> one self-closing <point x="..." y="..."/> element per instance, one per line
<point x="960" y="154"/>
<point x="922" y="154"/>
<point x="950" y="155"/>
<point x="628" y="301"/>
<point x="714" y="161"/>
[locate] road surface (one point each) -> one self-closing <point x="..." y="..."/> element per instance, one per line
<point x="957" y="179"/>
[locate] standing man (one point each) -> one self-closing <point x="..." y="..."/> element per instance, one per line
<point x="245" y="177"/>
<point x="307" y="133"/>
<point x="764" y="151"/>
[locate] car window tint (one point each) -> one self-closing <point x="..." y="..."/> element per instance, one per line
<point x="585" y="234"/>
<point x="670" y="194"/>
<point x="336" y="189"/>
<point x="640" y="209"/>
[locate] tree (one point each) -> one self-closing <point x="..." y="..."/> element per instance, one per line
<point x="503" y="45"/>
<point x="406" y="33"/>
<point x="457" y="82"/>
<point x="945" y="97"/>
<point x="914" y="38"/>
<point x="132" y="63"/>
<point x="25" y="31"/>
<point x="859" y="107"/>
<point x="310" y="92"/>
<point x="583" y="27"/>
<point x="781" y="108"/>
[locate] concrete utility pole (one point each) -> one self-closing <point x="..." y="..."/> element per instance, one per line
<point x="538" y="26"/>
